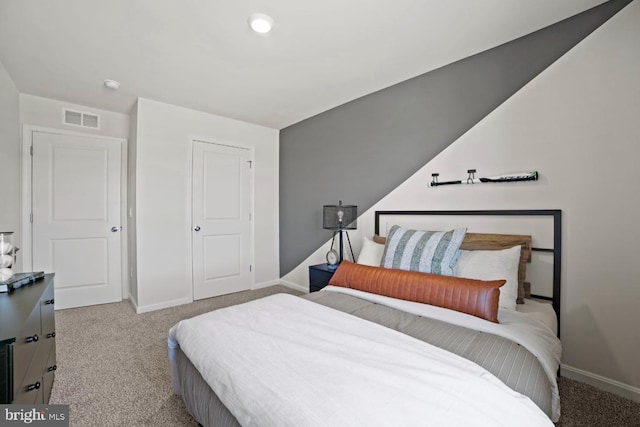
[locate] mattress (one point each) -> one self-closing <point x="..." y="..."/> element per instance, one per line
<point x="510" y="362"/>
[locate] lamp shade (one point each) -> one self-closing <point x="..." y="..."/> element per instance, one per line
<point x="339" y="217"/>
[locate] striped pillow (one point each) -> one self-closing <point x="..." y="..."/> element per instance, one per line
<point x="425" y="251"/>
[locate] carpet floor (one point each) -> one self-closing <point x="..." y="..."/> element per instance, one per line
<point x="113" y="369"/>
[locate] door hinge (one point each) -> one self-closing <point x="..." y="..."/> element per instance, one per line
<point x="250" y="268"/>
<point x="249" y="216"/>
<point x="250" y="163"/>
<point x="31" y="218"/>
<point x="31" y="150"/>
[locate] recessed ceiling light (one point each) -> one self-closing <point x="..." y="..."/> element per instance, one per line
<point x="260" y="23"/>
<point x="112" y="84"/>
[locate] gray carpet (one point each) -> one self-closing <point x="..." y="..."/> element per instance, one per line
<point x="113" y="369"/>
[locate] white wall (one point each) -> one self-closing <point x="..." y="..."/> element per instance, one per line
<point x="48" y="113"/>
<point x="10" y="159"/>
<point x="162" y="185"/>
<point x="39" y="111"/>
<point x="577" y="124"/>
<point x="131" y="205"/>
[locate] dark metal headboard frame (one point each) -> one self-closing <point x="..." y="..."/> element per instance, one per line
<point x="557" y="239"/>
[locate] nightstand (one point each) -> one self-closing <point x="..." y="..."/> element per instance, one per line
<point x="319" y="276"/>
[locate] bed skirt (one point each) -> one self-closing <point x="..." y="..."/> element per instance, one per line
<point x="201" y="402"/>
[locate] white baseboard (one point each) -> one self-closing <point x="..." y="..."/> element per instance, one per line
<point x="603" y="383"/>
<point x="266" y="284"/>
<point x="160" y="306"/>
<point x="133" y="303"/>
<point x="295" y="286"/>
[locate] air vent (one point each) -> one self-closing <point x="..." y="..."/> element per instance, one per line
<point x="79" y="118"/>
<point x="73" y="117"/>
<point x="90" y="121"/>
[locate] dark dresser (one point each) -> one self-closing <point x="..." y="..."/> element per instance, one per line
<point x="27" y="343"/>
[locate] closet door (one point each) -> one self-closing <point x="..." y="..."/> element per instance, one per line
<point x="76" y="216"/>
<point x="221" y="222"/>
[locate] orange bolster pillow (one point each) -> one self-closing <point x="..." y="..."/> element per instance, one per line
<point x="475" y="297"/>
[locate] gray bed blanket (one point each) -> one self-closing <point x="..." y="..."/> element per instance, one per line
<point x="510" y="362"/>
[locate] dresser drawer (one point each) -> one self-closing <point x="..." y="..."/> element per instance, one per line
<point x="31" y="386"/>
<point x="48" y="324"/>
<point x="31" y="397"/>
<point x="47" y="347"/>
<point x="46" y="313"/>
<point x="26" y="345"/>
<point x="51" y="363"/>
<point x="49" y="374"/>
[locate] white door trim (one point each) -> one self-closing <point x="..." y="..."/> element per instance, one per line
<point x="189" y="207"/>
<point x="26" y="250"/>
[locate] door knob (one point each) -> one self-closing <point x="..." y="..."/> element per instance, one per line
<point x="196" y="228"/>
<point x="115" y="229"/>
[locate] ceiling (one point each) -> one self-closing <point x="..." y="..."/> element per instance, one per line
<point x="202" y="55"/>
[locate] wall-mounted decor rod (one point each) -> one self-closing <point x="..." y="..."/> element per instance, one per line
<point x="471" y="179"/>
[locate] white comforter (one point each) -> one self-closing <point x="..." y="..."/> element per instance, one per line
<point x="522" y="328"/>
<point x="286" y="361"/>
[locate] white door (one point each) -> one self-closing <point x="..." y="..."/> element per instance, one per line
<point x="76" y="216"/>
<point x="221" y="226"/>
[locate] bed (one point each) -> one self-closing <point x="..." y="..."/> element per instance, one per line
<point x="358" y="353"/>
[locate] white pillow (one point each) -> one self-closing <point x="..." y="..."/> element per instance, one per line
<point x="493" y="265"/>
<point x="371" y="253"/>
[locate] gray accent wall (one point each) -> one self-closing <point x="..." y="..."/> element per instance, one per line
<point x="360" y="151"/>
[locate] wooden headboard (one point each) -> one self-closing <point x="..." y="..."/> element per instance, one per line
<point x="490" y="241"/>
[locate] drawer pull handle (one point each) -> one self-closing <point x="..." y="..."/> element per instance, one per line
<point x="32" y="339"/>
<point x="52" y="368"/>
<point x="51" y="335"/>
<point x="49" y="301"/>
<point x="33" y="386"/>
